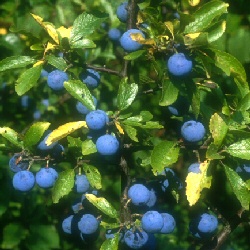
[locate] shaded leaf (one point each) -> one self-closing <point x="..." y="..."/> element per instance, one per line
<point x="134" y="55"/>
<point x="169" y="93"/>
<point x="64" y="130"/>
<point x="212" y="152"/>
<point x="34" y="133"/>
<point x="216" y="31"/>
<point x="196" y="183"/>
<point x="11" y="135"/>
<point x="28" y="79"/>
<point x="240" y="149"/>
<point x="239" y="187"/>
<point x="56" y="61"/>
<point x="244" y="103"/>
<point x="131" y="132"/>
<point x="80" y="91"/>
<point x="103" y="205"/>
<point x="164" y="154"/>
<point x="63" y="185"/>
<point x="93" y="176"/>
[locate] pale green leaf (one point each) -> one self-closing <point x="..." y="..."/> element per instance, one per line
<point x="88" y="147"/>
<point x="240" y="149"/>
<point x="93" y="176"/>
<point x="111" y="244"/>
<point x="56" y="61"/>
<point x="11" y="135"/>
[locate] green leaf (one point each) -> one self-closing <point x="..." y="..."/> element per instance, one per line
<point x="80" y="91"/>
<point x="84" y="25"/>
<point x="218" y="128"/>
<point x="126" y="94"/>
<point x="88" y="147"/>
<point x="12" y="235"/>
<point x="164" y="154"/>
<point x="56" y="61"/>
<point x="131" y="132"/>
<point x="34" y="133"/>
<point x="15" y="62"/>
<point x="240" y="149"/>
<point x="216" y="31"/>
<point x="93" y="176"/>
<point x="205" y="15"/>
<point x="111" y="244"/>
<point x="195" y="103"/>
<point x="103" y="205"/>
<point x="212" y="152"/>
<point x="244" y="103"/>
<point x="63" y="185"/>
<point x="28" y="79"/>
<point x="134" y="55"/>
<point x="83" y="44"/>
<point x="169" y="93"/>
<point x="239" y="187"/>
<point x="11" y="135"/>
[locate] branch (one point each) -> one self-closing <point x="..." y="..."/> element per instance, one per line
<point x="103" y="69"/>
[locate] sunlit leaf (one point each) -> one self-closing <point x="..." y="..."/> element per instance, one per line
<point x="93" y="176"/>
<point x="111" y="244"/>
<point x="240" y="149"/>
<point x="11" y="135"/>
<point x="56" y="61"/>
<point x="88" y="147"/>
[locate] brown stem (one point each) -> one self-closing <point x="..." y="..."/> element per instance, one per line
<point x="103" y="69"/>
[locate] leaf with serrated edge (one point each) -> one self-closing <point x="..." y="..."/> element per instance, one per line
<point x="196" y="183"/>
<point x="64" y="130"/>
<point x="34" y="133"/>
<point x="111" y="244"/>
<point x="93" y="176"/>
<point x="88" y="147"/>
<point x="103" y="205"/>
<point x="63" y="185"/>
<point x="11" y="135"/>
<point x="239" y="187"/>
<point x="240" y="149"/>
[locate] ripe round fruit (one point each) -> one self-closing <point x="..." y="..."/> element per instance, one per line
<point x="81" y="183"/>
<point x="152" y="198"/>
<point x="135" y="239"/>
<point x="96" y="119"/>
<point x="16" y="164"/>
<point x="56" y="79"/>
<point x="169" y="223"/>
<point x="66" y="224"/>
<point x="88" y="224"/>
<point x="128" y="43"/>
<point x="43" y="146"/>
<point x="82" y="109"/>
<point x="193" y="131"/>
<point x="179" y="65"/>
<point x="152" y="222"/>
<point x="114" y="34"/>
<point x="91" y="78"/>
<point x="194" y="168"/>
<point x="46" y="177"/>
<point x="122" y="12"/>
<point x="23" y="180"/>
<point x="208" y="223"/>
<point x="138" y="194"/>
<point x="107" y="145"/>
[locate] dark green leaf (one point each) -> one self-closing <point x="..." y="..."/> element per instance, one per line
<point x="195" y="104"/>
<point x="239" y="187"/>
<point x="134" y="55"/>
<point x="15" y="62"/>
<point x="163" y="155"/>
<point x="11" y="135"/>
<point x="93" y="176"/>
<point x="63" y="185"/>
<point x="88" y="147"/>
<point x="84" y="25"/>
<point x="80" y="91"/>
<point x="216" y="31"/>
<point x="131" y="132"/>
<point x="28" y="79"/>
<point x="126" y="94"/>
<point x="34" y="133"/>
<point x="169" y="93"/>
<point x="212" y="152"/>
<point x="56" y="61"/>
<point x="103" y="205"/>
<point x="83" y="44"/>
<point x="111" y="244"/>
<point x="244" y="103"/>
<point x="205" y="15"/>
<point x="240" y="149"/>
<point x="218" y="128"/>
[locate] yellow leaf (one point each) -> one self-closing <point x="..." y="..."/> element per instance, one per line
<point x="48" y="27"/>
<point x="170" y="27"/>
<point x="64" y="130"/>
<point x="194" y="2"/>
<point x="49" y="46"/>
<point x="119" y="128"/>
<point x="196" y="183"/>
<point x="64" y="32"/>
<point x="38" y="63"/>
<point x="193" y="35"/>
<point x="3" y="31"/>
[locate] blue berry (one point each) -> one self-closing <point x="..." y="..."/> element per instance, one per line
<point x="194" y="168"/>
<point x="96" y="119"/>
<point x="82" y="109"/>
<point x="16" y="164"/>
<point x="128" y="43"/>
<point x="46" y="177"/>
<point x="193" y="131"/>
<point x="208" y="223"/>
<point x="56" y="79"/>
<point x="152" y="222"/>
<point x="25" y="101"/>
<point x="122" y="12"/>
<point x="88" y="224"/>
<point x="168" y="223"/>
<point x="45" y="102"/>
<point x="81" y="183"/>
<point x="152" y="199"/>
<point x="165" y="185"/>
<point x="244" y="171"/>
<point x="23" y="180"/>
<point x="91" y="78"/>
<point x="179" y="64"/>
<point x="66" y="224"/>
<point x="107" y="144"/>
<point x="114" y="34"/>
<point x="135" y="239"/>
<point x="57" y="152"/>
<point x="138" y="194"/>
<point x="37" y="115"/>
<point x="42" y="145"/>
<point x="44" y="73"/>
